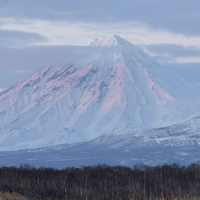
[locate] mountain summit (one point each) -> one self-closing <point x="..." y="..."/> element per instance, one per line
<point x="112" y="40"/>
<point x="116" y="88"/>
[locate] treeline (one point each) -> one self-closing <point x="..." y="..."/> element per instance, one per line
<point x="103" y="182"/>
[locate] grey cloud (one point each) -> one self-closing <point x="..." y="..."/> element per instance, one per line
<point x="166" y="52"/>
<point x="173" y="15"/>
<point x="16" y="64"/>
<point x="13" y="38"/>
<point x="9" y="77"/>
<point x="12" y="34"/>
<point x="189" y="71"/>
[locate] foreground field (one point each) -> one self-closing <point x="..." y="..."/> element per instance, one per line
<point x="14" y="196"/>
<point x="101" y="182"/>
<point x="11" y="196"/>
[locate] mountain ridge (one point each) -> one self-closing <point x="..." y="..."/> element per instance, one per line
<point x="178" y="143"/>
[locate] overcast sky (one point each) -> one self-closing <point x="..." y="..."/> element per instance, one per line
<point x="37" y="33"/>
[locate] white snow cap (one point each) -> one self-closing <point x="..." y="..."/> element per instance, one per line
<point x="112" y="40"/>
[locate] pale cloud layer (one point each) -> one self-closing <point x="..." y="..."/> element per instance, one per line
<point x="23" y="33"/>
<point x="67" y="33"/>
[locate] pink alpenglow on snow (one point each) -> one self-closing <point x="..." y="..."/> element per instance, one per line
<point x="161" y="95"/>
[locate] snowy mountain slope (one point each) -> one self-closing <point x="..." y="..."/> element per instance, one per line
<point x="181" y="134"/>
<point x="120" y="86"/>
<point x="178" y="143"/>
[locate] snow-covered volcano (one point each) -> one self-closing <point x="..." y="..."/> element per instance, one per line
<point x="119" y="85"/>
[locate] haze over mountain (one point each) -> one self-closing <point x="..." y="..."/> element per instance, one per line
<point x="118" y="87"/>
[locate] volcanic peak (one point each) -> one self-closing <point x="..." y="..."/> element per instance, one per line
<point x="112" y="40"/>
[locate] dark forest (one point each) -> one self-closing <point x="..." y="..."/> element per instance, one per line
<point x="103" y="182"/>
